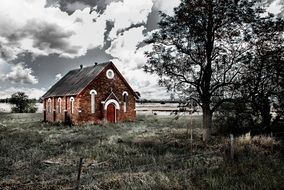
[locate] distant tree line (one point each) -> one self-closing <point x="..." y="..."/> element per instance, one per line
<point x="6" y="100"/>
<point x="21" y="103"/>
<point x="31" y="100"/>
<point x="158" y="101"/>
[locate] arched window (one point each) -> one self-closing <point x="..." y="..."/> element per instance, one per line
<point x="59" y="101"/>
<point x="49" y="105"/>
<point x="72" y="104"/>
<point x="125" y="101"/>
<point x="93" y="94"/>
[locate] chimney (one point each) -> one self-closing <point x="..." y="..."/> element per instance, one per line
<point x="96" y="63"/>
<point x="81" y="66"/>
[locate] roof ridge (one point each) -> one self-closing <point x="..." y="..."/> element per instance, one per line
<point x="90" y="66"/>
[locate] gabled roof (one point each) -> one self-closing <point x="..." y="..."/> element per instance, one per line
<point x="75" y="81"/>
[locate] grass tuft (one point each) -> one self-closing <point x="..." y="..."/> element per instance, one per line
<point x="151" y="153"/>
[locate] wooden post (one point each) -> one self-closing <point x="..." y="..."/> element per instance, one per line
<point x="232" y="146"/>
<point x="101" y="140"/>
<point x="191" y="129"/>
<point x="187" y="129"/>
<point x="191" y="139"/>
<point x="79" y="173"/>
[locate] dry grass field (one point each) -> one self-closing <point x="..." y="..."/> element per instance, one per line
<point x="152" y="153"/>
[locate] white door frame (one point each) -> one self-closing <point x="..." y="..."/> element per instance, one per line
<point x="116" y="105"/>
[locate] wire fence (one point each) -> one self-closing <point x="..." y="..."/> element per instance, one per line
<point x="164" y="165"/>
<point x="173" y="163"/>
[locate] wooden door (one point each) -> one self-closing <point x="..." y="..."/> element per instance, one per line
<point x="111" y="113"/>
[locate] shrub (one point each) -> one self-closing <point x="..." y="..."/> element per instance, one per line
<point x="234" y="117"/>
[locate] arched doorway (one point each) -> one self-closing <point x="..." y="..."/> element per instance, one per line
<point x="111" y="106"/>
<point x="111" y="113"/>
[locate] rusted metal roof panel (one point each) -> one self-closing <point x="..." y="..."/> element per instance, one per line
<point x="75" y="81"/>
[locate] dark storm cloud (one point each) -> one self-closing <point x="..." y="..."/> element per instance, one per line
<point x="130" y="27"/>
<point x="70" y="6"/>
<point x="47" y="67"/>
<point x="109" y="27"/>
<point x="45" y="36"/>
<point x="153" y="19"/>
<point x="50" y="36"/>
<point x="152" y="24"/>
<point x="4" y="54"/>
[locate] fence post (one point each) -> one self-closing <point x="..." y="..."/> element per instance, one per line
<point x="191" y="130"/>
<point x="101" y="141"/>
<point x="232" y="146"/>
<point x="191" y="139"/>
<point x="79" y="173"/>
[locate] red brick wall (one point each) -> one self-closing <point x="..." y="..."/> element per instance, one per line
<point x="65" y="103"/>
<point x="82" y="104"/>
<point x="103" y="87"/>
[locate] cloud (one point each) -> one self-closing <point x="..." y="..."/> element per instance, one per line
<point x="127" y="13"/>
<point x="58" y="76"/>
<point x="44" y="38"/>
<point x="129" y="56"/>
<point x="8" y="50"/>
<point x="70" y="6"/>
<point x="109" y="27"/>
<point x="31" y="92"/>
<point x="130" y="61"/>
<point x="47" y="30"/>
<point x="20" y="74"/>
<point x="275" y="6"/>
<point x="2" y="66"/>
<point x="166" y="6"/>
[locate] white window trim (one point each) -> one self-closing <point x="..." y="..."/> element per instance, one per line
<point x="124" y="92"/>
<point x="59" y="101"/>
<point x="72" y="104"/>
<point x="49" y="105"/>
<point x="112" y="74"/>
<point x="93" y="94"/>
<point x="125" y="106"/>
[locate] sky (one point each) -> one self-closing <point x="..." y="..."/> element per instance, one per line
<point x="41" y="40"/>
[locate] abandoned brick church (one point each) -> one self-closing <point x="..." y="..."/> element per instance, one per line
<point x="92" y="94"/>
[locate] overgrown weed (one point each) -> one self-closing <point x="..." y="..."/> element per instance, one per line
<point x="152" y="153"/>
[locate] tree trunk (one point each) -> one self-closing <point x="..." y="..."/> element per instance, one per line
<point x="207" y="123"/>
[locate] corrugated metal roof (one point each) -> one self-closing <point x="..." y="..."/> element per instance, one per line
<point x="75" y="81"/>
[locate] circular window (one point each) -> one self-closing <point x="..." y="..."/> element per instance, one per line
<point x="110" y="74"/>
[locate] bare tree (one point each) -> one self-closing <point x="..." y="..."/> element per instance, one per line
<point x="197" y="51"/>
